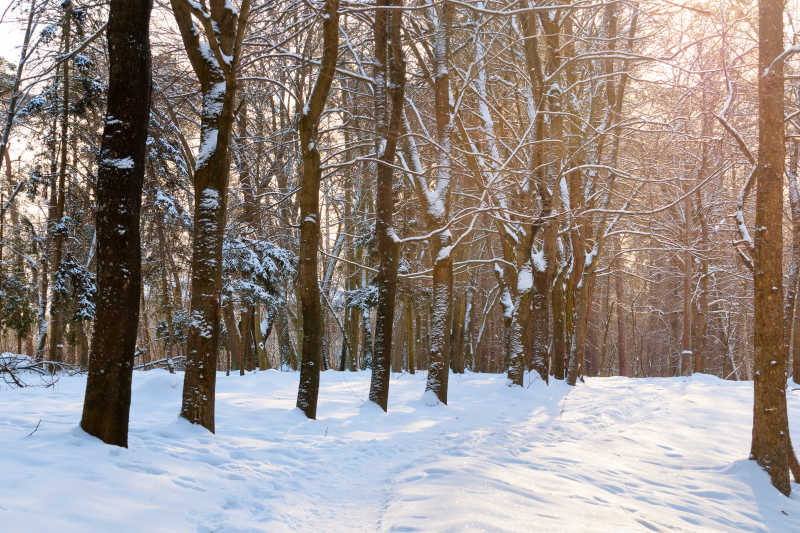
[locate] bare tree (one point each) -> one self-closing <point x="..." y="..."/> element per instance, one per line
<point x="771" y="446"/>
<point x="119" y="194"/>
<point x="388" y="113"/>
<point x="308" y="284"/>
<point x="215" y="62"/>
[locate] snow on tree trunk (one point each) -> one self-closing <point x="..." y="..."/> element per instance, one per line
<point x="308" y="284"/>
<point x="119" y="193"/>
<point x="214" y="62"/>
<point x="441" y="244"/>
<point x="387" y="31"/>
<point x="438" y="369"/>
<point x="790" y="331"/>
<point x="55" y="351"/>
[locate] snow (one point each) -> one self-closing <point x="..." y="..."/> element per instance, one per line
<point x="208" y="145"/>
<point x="613" y="454"/>
<point x="393" y="235"/>
<point x="430" y="399"/>
<point x="208" y="55"/>
<point x="198" y="321"/>
<point x="119" y="162"/>
<point x="564" y="189"/>
<point x="209" y="199"/>
<point x="436" y="209"/>
<point x="540" y="261"/>
<point x="508" y="305"/>
<point x="230" y="7"/>
<point x="524" y="280"/>
<point x="214" y="100"/>
<point x="444" y="253"/>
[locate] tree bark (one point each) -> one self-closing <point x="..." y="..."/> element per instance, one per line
<point x="794" y="269"/>
<point x="234" y="339"/>
<point x="308" y="286"/>
<point x="685" y="357"/>
<point x="411" y="338"/>
<point x="119" y="192"/>
<point x="441" y="245"/>
<point x="622" y="338"/>
<point x="457" y="342"/>
<point x="771" y="446"/>
<point x="540" y="321"/>
<point x="387" y="29"/>
<point x="215" y="65"/>
<point x="559" y="350"/>
<point x="55" y="350"/>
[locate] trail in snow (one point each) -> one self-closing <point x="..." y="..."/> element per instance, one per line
<point x="612" y="454"/>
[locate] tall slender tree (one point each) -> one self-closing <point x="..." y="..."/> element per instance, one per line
<point x="388" y="105"/>
<point x="441" y="246"/>
<point x="308" y="284"/>
<point x="215" y="63"/>
<point x="771" y="445"/>
<point x="119" y="195"/>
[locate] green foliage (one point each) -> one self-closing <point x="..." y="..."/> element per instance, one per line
<point x="74" y="281"/>
<point x="362" y="298"/>
<point x="180" y="327"/>
<point x="255" y="271"/>
<point x="17" y="312"/>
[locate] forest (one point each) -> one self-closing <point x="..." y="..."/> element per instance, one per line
<point x="551" y="195"/>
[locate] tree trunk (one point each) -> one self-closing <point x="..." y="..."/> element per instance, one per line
<point x="794" y="269"/>
<point x="46" y="250"/>
<point x="248" y="339"/>
<point x="457" y="350"/>
<point x="119" y="192"/>
<point x="685" y="359"/>
<point x="387" y="30"/>
<point x="439" y="366"/>
<point x="288" y="356"/>
<point x="578" y="343"/>
<point x="771" y="446"/>
<point x="210" y="184"/>
<point x="234" y="343"/>
<point x="622" y="338"/>
<point x="55" y="351"/>
<point x="166" y="302"/>
<point x="469" y="356"/>
<point x="308" y="286"/>
<point x="367" y="341"/>
<point x="540" y="321"/>
<point x="559" y="329"/>
<point x="411" y="340"/>
<point x="215" y="65"/>
<point x="441" y="245"/>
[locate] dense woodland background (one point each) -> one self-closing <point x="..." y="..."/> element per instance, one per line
<point x="612" y="140"/>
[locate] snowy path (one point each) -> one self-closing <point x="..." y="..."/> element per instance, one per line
<point x="612" y="454"/>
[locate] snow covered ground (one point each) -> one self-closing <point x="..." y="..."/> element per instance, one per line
<point x="612" y="454"/>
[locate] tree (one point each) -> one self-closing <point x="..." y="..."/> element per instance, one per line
<point x="215" y="63"/>
<point x="308" y="283"/>
<point x="436" y="207"/>
<point x="119" y="194"/>
<point x="388" y="123"/>
<point x="771" y="445"/>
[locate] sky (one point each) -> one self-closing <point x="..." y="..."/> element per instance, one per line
<point x="12" y="30"/>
